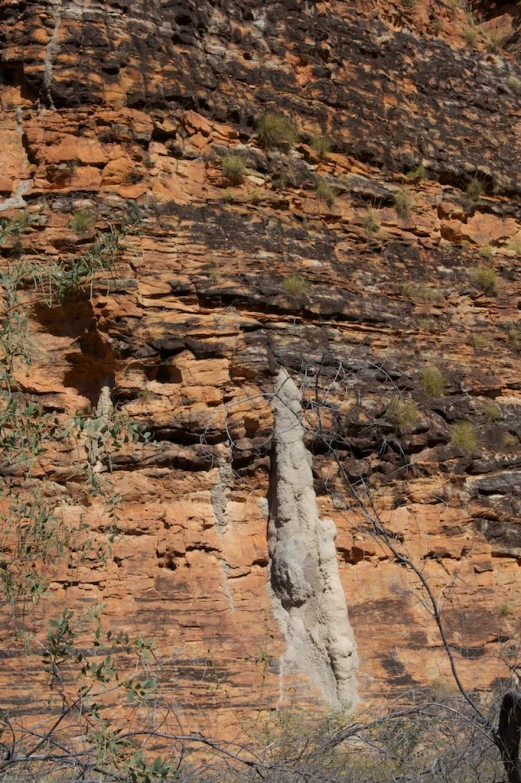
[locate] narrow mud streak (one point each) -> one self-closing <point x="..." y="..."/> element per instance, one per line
<point x="307" y="596"/>
<point x="220" y="502"/>
<point x="51" y="51"/>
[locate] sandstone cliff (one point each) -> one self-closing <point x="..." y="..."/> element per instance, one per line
<point x="368" y="268"/>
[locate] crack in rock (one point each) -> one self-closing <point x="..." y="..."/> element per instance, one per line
<point x="307" y="596"/>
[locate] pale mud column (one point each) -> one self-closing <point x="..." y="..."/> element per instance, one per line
<point x="307" y="596"/>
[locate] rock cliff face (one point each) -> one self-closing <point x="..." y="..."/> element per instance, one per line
<point x="380" y="273"/>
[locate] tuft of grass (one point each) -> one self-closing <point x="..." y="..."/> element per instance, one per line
<point x="514" y="84"/>
<point x="436" y="25"/>
<point x="82" y="221"/>
<point x="407" y="290"/>
<point x="325" y="191"/>
<point x="485" y="279"/>
<point x="422" y="292"/>
<point x="505" y="609"/>
<point x="486" y="251"/>
<point x="492" y="411"/>
<point x="514" y="337"/>
<point x="474" y="189"/>
<point x="276" y="132"/>
<point x="427" y="294"/>
<point x="510" y="441"/>
<point x="433" y="382"/>
<point x="417" y="174"/>
<point x="233" y="167"/>
<point x="403" y="415"/>
<point x="322" y="146"/>
<point x="494" y="43"/>
<point x="478" y="341"/>
<point x="403" y="203"/>
<point x="370" y="224"/>
<point x="515" y="245"/>
<point x="428" y="325"/>
<point x="295" y="285"/>
<point x="464" y="438"/>
<point x="470" y="36"/>
<point x="409" y="3"/>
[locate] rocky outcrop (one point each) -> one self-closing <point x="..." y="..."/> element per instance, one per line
<point x="123" y="112"/>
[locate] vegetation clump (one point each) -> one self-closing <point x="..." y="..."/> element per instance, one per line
<point x="275" y="131"/>
<point x="514" y="84"/>
<point x="485" y="279"/>
<point x="464" y="438"/>
<point x="321" y="145"/>
<point x="403" y="203"/>
<point x="474" y="190"/>
<point x="370" y="224"/>
<point x="233" y="167"/>
<point x="325" y="191"/>
<point x="417" y="174"/>
<point x="295" y="285"/>
<point x="433" y="382"/>
<point x="403" y="415"/>
<point x="514" y="337"/>
<point x="82" y="221"/>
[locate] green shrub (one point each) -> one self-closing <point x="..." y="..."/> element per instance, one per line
<point x="233" y="168"/>
<point x="370" y="224"/>
<point x="433" y="382"/>
<point x="485" y="278"/>
<point x="322" y="146"/>
<point x="325" y="191"/>
<point x="464" y="438"/>
<point x="474" y="190"/>
<point x="295" y="285"/>
<point x="276" y="132"/>
<point x="403" y="203"/>
<point x="408" y="3"/>
<point x="82" y="221"/>
<point x="403" y="415"/>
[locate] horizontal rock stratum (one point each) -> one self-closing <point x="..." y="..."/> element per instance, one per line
<point x="372" y="260"/>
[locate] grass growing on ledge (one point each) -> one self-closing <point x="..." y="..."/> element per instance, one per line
<point x="322" y="146"/>
<point x="474" y="190"/>
<point x="403" y="203"/>
<point x="417" y="174"/>
<point x="433" y="382"/>
<point x="276" y="132"/>
<point x="485" y="279"/>
<point x="233" y="168"/>
<point x="403" y="415"/>
<point x="464" y="438"/>
<point x="325" y="192"/>
<point x="295" y="285"/>
<point x="370" y="224"/>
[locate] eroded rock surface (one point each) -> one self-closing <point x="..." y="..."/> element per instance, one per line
<point x="123" y="110"/>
